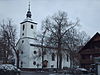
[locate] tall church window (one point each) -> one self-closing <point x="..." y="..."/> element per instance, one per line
<point x="21" y="64"/>
<point x="23" y="27"/>
<point x="67" y="57"/>
<point x="31" y="26"/>
<point x="53" y="57"/>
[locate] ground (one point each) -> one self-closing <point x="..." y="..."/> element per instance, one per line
<point x="44" y="73"/>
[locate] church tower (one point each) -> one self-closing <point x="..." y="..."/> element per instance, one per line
<point x="29" y="48"/>
<point x="28" y="27"/>
<point x="27" y="52"/>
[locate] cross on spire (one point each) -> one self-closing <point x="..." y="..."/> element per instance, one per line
<point x="28" y="15"/>
<point x="29" y="6"/>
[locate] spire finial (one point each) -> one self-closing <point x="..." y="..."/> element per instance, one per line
<point x="28" y="15"/>
<point x="29" y="6"/>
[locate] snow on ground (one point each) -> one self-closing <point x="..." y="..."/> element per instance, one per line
<point x="7" y="67"/>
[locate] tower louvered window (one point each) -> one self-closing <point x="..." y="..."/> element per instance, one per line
<point x="23" y="27"/>
<point x="31" y="26"/>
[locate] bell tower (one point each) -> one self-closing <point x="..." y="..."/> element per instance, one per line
<point x="27" y="37"/>
<point x="28" y="27"/>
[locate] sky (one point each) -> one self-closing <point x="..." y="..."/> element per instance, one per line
<point x="88" y="11"/>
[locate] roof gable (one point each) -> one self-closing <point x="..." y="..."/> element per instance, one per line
<point x="96" y="37"/>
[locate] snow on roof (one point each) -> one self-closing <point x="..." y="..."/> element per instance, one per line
<point x="28" y="19"/>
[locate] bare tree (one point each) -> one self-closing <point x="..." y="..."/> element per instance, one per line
<point x="8" y="37"/>
<point x="74" y="41"/>
<point x="58" y="26"/>
<point x="62" y="34"/>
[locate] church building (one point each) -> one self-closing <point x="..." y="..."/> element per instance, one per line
<point x="30" y="51"/>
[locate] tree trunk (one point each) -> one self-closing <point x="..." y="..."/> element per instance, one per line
<point x="57" y="60"/>
<point x="59" y="47"/>
<point x="60" y="61"/>
<point x="59" y="54"/>
<point x="42" y="58"/>
<point x="42" y="52"/>
<point x="59" y="57"/>
<point x="17" y="60"/>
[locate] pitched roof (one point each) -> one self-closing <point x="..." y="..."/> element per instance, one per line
<point x="94" y="38"/>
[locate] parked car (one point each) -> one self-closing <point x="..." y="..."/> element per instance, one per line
<point x="83" y="70"/>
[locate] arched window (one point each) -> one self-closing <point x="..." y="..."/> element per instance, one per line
<point x="67" y="57"/>
<point x="21" y="64"/>
<point x="31" y="26"/>
<point x="23" y="27"/>
<point x="53" y="57"/>
<point x="22" y="41"/>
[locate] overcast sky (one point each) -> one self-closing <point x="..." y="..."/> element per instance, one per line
<point x="88" y="11"/>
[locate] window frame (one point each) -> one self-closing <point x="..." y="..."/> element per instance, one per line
<point x="31" y="26"/>
<point x="35" y="52"/>
<point x="23" y="27"/>
<point x="67" y="57"/>
<point x="34" y="62"/>
<point x="53" y="56"/>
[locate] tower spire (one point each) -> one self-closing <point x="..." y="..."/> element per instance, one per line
<point x="29" y="6"/>
<point x="28" y="15"/>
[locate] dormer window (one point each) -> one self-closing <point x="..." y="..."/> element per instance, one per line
<point x="23" y="27"/>
<point x="31" y="26"/>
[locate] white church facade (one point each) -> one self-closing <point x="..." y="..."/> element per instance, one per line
<point x="30" y="52"/>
